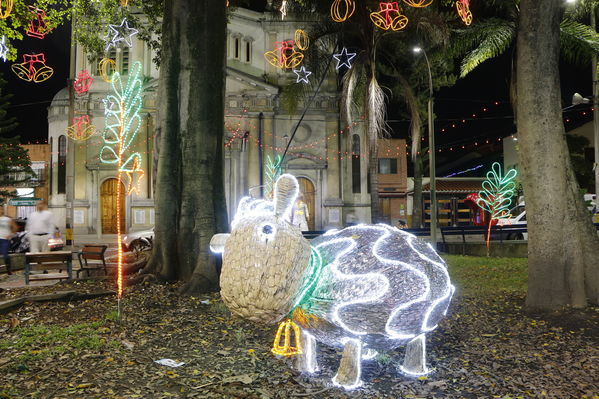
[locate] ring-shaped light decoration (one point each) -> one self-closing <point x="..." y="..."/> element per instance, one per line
<point x="418" y="3"/>
<point x="341" y="10"/>
<point x="33" y="68"/>
<point x="6" y="8"/>
<point x="106" y="65"/>
<point x="389" y="17"/>
<point x="81" y="129"/>
<point x="302" y="40"/>
<point x="463" y="7"/>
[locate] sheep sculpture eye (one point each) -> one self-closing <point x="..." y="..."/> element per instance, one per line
<point x="267" y="229"/>
<point x="266" y="232"/>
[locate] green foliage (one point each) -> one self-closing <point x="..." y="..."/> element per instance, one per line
<point x="475" y="275"/>
<point x="272" y="171"/>
<point x="38" y="342"/>
<point x="578" y="42"/>
<point x="15" y="165"/>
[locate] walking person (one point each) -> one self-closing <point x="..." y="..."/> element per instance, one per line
<point x="7" y="227"/>
<point x="40" y="225"/>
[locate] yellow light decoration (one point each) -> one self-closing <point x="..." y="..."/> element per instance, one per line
<point x="302" y="41"/>
<point x="287" y="349"/>
<point x="284" y="55"/>
<point x="136" y="172"/>
<point x="81" y="129"/>
<point x="389" y="17"/>
<point x="33" y="68"/>
<point x="463" y="7"/>
<point x="106" y="65"/>
<point x="124" y="3"/>
<point x="341" y="10"/>
<point x="5" y="8"/>
<point x="418" y="3"/>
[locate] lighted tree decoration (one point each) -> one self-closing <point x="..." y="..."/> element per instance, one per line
<point x="122" y="126"/>
<point x="272" y="171"/>
<point x="496" y="195"/>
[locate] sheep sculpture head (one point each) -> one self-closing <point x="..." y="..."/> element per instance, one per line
<point x="365" y="288"/>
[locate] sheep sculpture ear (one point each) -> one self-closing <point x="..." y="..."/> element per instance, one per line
<point x="286" y="191"/>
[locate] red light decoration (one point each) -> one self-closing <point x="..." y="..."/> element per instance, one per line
<point x="82" y="129"/>
<point x="5" y="8"/>
<point x="389" y="17"/>
<point x="33" y="68"/>
<point x="37" y="27"/>
<point x="284" y="55"/>
<point x="418" y="3"/>
<point x="463" y="7"/>
<point x="83" y="82"/>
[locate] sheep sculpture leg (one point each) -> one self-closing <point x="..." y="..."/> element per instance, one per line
<point x="306" y="362"/>
<point x="415" y="359"/>
<point x="348" y="375"/>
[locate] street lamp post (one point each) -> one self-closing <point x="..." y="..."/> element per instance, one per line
<point x="431" y="151"/>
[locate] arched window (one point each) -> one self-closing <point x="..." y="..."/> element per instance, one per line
<point x="356" y="173"/>
<point x="237" y="48"/>
<point x="62" y="164"/>
<point x="50" y="166"/>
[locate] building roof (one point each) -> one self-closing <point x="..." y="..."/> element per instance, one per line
<point x="449" y="185"/>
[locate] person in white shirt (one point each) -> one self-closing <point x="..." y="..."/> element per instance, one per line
<point x="40" y="225"/>
<point x="6" y="230"/>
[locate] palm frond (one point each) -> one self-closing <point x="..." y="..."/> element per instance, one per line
<point x="493" y="39"/>
<point x="578" y="42"/>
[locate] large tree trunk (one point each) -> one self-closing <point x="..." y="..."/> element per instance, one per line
<point x="562" y="243"/>
<point x="417" y="197"/>
<point x="190" y="201"/>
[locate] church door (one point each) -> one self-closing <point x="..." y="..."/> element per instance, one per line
<point x="108" y="204"/>
<point x="307" y="189"/>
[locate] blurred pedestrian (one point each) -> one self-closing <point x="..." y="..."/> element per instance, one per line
<point x="7" y="228"/>
<point x="40" y="225"/>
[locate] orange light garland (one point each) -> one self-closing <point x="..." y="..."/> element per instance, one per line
<point x="81" y="129"/>
<point x="341" y="10"/>
<point x="463" y="7"/>
<point x="284" y="55"/>
<point x="418" y="3"/>
<point x="5" y="8"/>
<point x="33" y="68"/>
<point x="389" y="17"/>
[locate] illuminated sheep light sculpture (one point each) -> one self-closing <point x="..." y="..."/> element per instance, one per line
<point x="366" y="288"/>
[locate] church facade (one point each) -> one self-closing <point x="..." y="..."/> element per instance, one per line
<point x="259" y="125"/>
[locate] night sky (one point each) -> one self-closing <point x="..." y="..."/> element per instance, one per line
<point x="475" y="110"/>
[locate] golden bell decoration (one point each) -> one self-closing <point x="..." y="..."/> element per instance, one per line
<point x="287" y="328"/>
<point x="6" y="8"/>
<point x="418" y="3"/>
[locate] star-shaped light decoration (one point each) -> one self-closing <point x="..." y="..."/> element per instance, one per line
<point x="108" y="104"/>
<point x="344" y="58"/>
<point x="302" y="75"/>
<point x="134" y="176"/>
<point x="3" y="48"/>
<point x="120" y="33"/>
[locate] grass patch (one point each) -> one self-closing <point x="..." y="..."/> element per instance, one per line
<point x="38" y="342"/>
<point x="475" y="275"/>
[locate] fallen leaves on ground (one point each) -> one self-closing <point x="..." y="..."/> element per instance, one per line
<point x="487" y="347"/>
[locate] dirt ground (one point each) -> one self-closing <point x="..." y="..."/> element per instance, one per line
<point x="487" y="347"/>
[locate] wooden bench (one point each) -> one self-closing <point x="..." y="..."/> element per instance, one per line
<point x="94" y="253"/>
<point x="61" y="260"/>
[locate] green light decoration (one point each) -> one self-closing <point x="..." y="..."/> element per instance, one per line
<point x="123" y="123"/>
<point x="272" y="171"/>
<point x="496" y="195"/>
